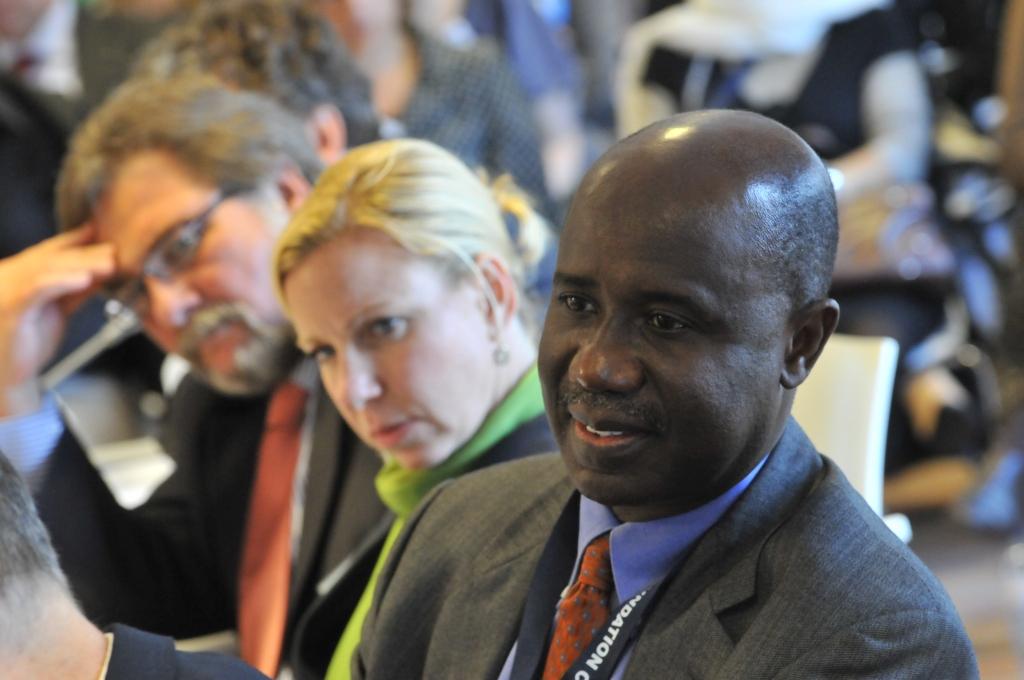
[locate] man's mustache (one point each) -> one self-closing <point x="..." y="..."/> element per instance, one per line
<point x="208" y="320"/>
<point x="571" y="393"/>
<point x="267" y="355"/>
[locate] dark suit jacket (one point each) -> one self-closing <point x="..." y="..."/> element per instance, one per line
<point x="171" y="565"/>
<point x="319" y="631"/>
<point x="800" y="579"/>
<point x="143" y="656"/>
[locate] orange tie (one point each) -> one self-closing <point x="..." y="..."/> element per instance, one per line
<point x="266" y="556"/>
<point x="583" y="610"/>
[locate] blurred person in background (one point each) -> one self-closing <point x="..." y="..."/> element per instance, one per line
<point x="545" y="64"/>
<point x="424" y="342"/>
<point x="841" y="73"/>
<point x="563" y="54"/>
<point x="544" y="67"/>
<point x="43" y="633"/>
<point x="598" y="28"/>
<point x="281" y="48"/>
<point x="998" y="503"/>
<point x="171" y="196"/>
<point x="466" y="100"/>
<point x="69" y="54"/>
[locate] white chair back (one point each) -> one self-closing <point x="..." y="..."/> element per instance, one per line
<point x="843" y="406"/>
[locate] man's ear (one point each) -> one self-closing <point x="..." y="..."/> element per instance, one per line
<point x="326" y="127"/>
<point x="504" y="297"/>
<point x="812" y="327"/>
<point x="293" y="187"/>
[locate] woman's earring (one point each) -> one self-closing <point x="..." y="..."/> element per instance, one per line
<point x="500" y="354"/>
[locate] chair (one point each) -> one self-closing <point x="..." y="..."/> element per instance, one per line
<point x="843" y="407"/>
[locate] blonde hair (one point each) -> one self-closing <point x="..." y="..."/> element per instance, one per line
<point x="424" y="198"/>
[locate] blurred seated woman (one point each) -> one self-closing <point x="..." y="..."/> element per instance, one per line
<point x="467" y="100"/>
<point x="403" y="283"/>
<point x="841" y="73"/>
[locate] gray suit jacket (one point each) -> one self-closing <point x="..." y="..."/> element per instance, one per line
<point x="800" y="579"/>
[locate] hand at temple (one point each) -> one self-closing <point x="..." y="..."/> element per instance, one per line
<point x="39" y="288"/>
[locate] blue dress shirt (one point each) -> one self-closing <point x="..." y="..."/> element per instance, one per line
<point x="28" y="440"/>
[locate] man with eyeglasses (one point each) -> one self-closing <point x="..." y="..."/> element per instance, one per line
<point x="173" y="193"/>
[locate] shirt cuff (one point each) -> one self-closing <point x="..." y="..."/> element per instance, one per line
<point x="28" y="440"/>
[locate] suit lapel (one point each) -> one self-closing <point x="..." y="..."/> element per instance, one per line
<point x="689" y="628"/>
<point x="490" y="635"/>
<point x="320" y="488"/>
<point x="484" y="615"/>
<point x="531" y="438"/>
<point x="341" y="506"/>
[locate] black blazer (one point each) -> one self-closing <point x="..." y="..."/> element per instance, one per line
<point x="143" y="656"/>
<point x="171" y="565"/>
<point x="320" y="628"/>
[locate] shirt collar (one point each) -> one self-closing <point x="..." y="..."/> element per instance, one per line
<point x="49" y="31"/>
<point x="53" y="29"/>
<point x="643" y="553"/>
<point x="109" y="638"/>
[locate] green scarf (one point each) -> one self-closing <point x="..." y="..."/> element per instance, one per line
<point x="402" y="489"/>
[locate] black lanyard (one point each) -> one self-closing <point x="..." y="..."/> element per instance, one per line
<point x="553" y="571"/>
<point x="599" y="659"/>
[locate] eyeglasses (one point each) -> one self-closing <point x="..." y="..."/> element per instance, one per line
<point x="172" y="254"/>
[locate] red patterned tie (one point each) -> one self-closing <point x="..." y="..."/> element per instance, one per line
<point x="583" y="610"/>
<point x="266" y="556"/>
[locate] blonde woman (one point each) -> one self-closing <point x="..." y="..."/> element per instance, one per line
<point x="403" y="283"/>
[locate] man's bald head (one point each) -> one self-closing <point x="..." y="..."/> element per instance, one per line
<point x="733" y="164"/>
<point x="689" y="301"/>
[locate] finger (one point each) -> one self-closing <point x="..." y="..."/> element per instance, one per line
<point x="57" y="284"/>
<point x="97" y="259"/>
<point x="35" y="280"/>
<point x="75" y="237"/>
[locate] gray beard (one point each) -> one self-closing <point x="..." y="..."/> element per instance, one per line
<point x="261" y="363"/>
